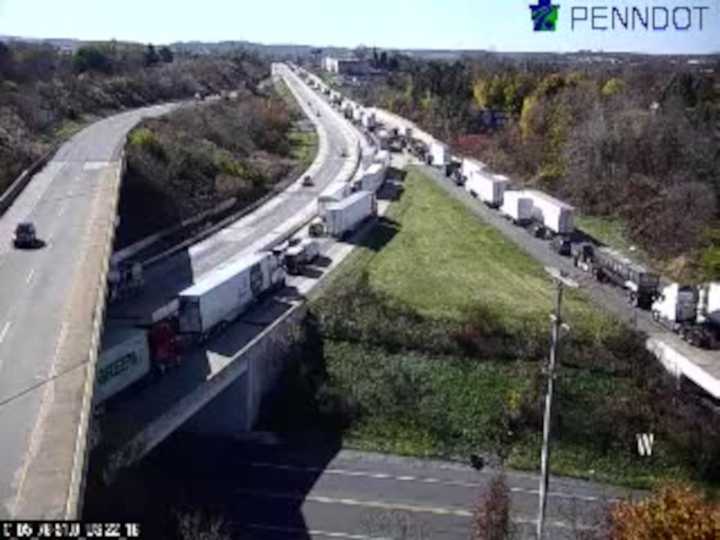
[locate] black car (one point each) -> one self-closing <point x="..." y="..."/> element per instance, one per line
<point x="26" y="236"/>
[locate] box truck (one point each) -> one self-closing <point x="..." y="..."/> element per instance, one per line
<point x="223" y="294"/>
<point x="555" y="215"/>
<point x="517" y="207"/>
<point x="343" y="217"/>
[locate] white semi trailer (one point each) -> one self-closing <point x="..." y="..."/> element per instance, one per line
<point x="124" y="360"/>
<point x="555" y="215"/>
<point x="223" y="294"/>
<point x="469" y="167"/>
<point x="517" y="207"/>
<point x="488" y="188"/>
<point x="343" y="217"/>
<point x="439" y="154"/>
<point x="372" y="178"/>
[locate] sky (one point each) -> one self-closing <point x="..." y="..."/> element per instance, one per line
<point x="502" y="25"/>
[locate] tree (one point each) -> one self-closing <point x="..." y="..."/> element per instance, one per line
<point x="491" y="516"/>
<point x="672" y="512"/>
<point x="151" y="55"/>
<point x="166" y="55"/>
<point x="92" y="59"/>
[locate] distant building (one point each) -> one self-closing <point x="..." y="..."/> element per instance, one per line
<point x="346" y="66"/>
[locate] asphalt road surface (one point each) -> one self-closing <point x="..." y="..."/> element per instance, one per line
<point x="307" y="490"/>
<point x="127" y="414"/>
<point x="38" y="287"/>
<point x="164" y="280"/>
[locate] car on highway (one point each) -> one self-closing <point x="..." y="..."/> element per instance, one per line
<point x="308" y="181"/>
<point x="343" y="153"/>
<point x="25" y="236"/>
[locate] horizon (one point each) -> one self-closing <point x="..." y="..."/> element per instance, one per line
<point x="454" y="25"/>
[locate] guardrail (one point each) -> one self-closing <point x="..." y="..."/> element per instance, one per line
<point x="21" y="182"/>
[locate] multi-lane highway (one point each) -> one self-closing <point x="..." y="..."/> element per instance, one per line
<point x="48" y="299"/>
<point x="338" y="154"/>
<point x="140" y="410"/>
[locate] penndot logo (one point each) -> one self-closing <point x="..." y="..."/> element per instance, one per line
<point x="544" y="16"/>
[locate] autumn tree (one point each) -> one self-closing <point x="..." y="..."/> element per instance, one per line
<point x="673" y="512"/>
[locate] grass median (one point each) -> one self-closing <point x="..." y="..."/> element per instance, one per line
<point x="429" y="341"/>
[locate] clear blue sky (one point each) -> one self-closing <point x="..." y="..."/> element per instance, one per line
<point x="503" y="25"/>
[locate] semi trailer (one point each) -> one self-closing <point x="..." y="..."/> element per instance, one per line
<point x="223" y="294"/>
<point x="341" y="218"/>
<point x="553" y="214"/>
<point x="609" y="265"/>
<point x="439" y="155"/>
<point x="490" y="189"/>
<point x="517" y="207"/>
<point x="129" y="354"/>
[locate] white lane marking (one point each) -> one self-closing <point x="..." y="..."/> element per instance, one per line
<point x="30" y="276"/>
<point x="421" y="479"/>
<point x="61" y="210"/>
<point x="357" y="502"/>
<point x="315" y="532"/>
<point x="5" y="330"/>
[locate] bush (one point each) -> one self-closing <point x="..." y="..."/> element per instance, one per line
<point x="674" y="511"/>
<point x="491" y="514"/>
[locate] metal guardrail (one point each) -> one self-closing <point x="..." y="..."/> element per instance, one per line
<point x="21" y="182"/>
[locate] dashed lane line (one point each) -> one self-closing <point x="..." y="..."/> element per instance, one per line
<point x="420" y="479"/>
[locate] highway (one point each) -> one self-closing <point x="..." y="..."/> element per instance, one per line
<point x="48" y="299"/>
<point x="337" y="153"/>
<point x="139" y="408"/>
<point x="296" y="490"/>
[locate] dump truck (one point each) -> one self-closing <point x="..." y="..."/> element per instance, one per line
<point x="223" y="294"/>
<point x="341" y="218"/>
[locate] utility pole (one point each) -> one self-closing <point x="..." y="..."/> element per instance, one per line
<point x="560" y="279"/>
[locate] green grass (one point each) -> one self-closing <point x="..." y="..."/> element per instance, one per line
<point x="304" y="147"/>
<point x="443" y="262"/>
<point x="434" y="260"/>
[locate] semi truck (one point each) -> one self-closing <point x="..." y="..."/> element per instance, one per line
<point x="692" y="312"/>
<point x="343" y="217"/>
<point x="609" y="265"/>
<point x="334" y="193"/>
<point x="301" y="254"/>
<point x="129" y="354"/>
<point x="517" y="207"/>
<point x="125" y="280"/>
<point x="490" y="189"/>
<point x="554" y="215"/>
<point x="223" y="294"/>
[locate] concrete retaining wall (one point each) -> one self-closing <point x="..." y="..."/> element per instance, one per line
<point x="247" y="378"/>
<point x="21" y="182"/>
